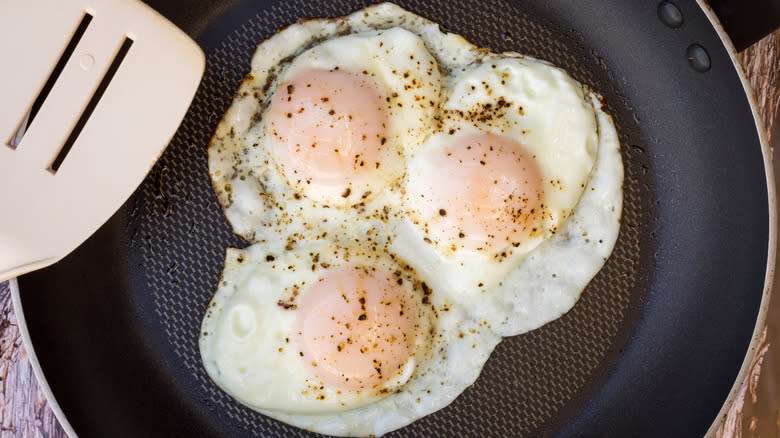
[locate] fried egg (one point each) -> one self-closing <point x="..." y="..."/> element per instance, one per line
<point x="338" y="336"/>
<point x="330" y="142"/>
<point x="507" y="166"/>
<point x="410" y="199"/>
<point x="521" y="289"/>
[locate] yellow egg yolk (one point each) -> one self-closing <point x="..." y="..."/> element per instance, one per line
<point x="327" y="128"/>
<point x="356" y="328"/>
<point x="482" y="192"/>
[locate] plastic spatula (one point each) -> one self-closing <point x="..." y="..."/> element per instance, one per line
<point x="91" y="92"/>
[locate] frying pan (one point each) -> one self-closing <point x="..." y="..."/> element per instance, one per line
<point x="653" y="347"/>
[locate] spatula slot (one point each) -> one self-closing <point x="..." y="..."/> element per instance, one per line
<point x="16" y="139"/>
<point x="93" y="102"/>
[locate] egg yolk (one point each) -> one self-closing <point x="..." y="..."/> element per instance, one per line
<point x="356" y="328"/>
<point x="482" y="192"/>
<point x="327" y="127"/>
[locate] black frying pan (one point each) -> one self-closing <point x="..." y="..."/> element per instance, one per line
<point x="652" y="348"/>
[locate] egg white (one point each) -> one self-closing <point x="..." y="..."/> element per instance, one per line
<point x="248" y="342"/>
<point x="249" y="349"/>
<point x="546" y="111"/>
<point x="543" y="108"/>
<point x="459" y="348"/>
<point x="526" y="291"/>
<point x="258" y="200"/>
<point x="532" y="286"/>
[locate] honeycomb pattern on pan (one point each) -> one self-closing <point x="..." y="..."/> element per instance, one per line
<point x="529" y="378"/>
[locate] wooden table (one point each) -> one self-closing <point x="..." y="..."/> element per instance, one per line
<point x="26" y="413"/>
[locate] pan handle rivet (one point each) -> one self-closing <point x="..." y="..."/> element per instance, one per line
<point x="698" y="58"/>
<point x="670" y="14"/>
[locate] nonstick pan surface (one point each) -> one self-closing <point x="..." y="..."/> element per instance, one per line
<point x="652" y="348"/>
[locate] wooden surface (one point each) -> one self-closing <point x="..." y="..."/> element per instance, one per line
<point x="24" y="411"/>
<point x="23" y="407"/>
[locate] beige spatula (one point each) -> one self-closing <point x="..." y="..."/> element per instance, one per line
<point x="91" y="91"/>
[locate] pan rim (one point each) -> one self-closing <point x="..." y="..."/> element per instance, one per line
<point x="760" y="320"/>
<point x="33" y="358"/>
<point x="769" y="275"/>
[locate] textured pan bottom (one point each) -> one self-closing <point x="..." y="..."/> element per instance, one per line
<point x="531" y="382"/>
